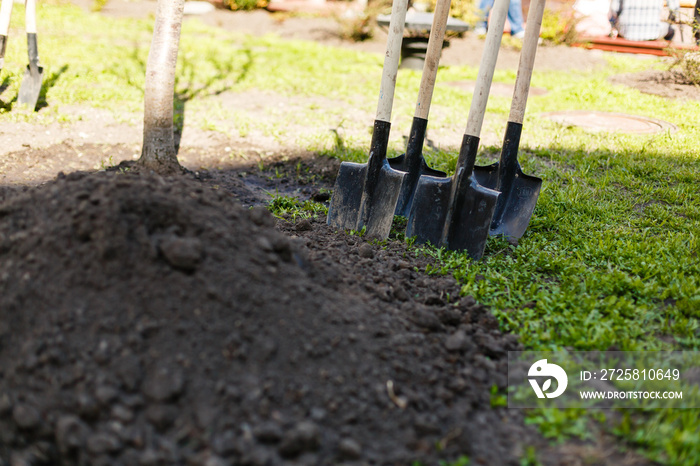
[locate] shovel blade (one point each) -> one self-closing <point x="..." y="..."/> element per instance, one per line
<point x="355" y="206"/>
<point x="344" y="208"/>
<point x="472" y="214"/>
<point x="426" y="170"/>
<point x="377" y="208"/>
<point x="30" y="89"/>
<point x="410" y="181"/>
<point x="426" y="218"/>
<point x="515" y="206"/>
<point x="487" y="176"/>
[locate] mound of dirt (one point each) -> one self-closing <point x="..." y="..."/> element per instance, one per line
<point x="152" y="321"/>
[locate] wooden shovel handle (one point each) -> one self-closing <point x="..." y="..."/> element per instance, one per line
<point x="5" y="14"/>
<point x="527" y="61"/>
<point x="432" y="58"/>
<point x="30" y="16"/>
<point x="391" y="60"/>
<point x="487" y="68"/>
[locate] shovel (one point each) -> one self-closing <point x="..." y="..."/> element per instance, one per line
<point x="519" y="192"/>
<point x="365" y="195"/>
<point x="5" y="13"/>
<point x="412" y="162"/>
<point x="31" y="84"/>
<point x="456" y="212"/>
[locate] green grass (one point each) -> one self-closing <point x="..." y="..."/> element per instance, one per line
<point x="611" y="256"/>
<point x="294" y="209"/>
<point x="93" y="60"/>
<point x="610" y="260"/>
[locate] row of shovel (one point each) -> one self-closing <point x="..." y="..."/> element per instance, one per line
<point x="31" y="83"/>
<point x="461" y="211"/>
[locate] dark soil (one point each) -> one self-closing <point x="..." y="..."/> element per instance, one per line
<point x="146" y="320"/>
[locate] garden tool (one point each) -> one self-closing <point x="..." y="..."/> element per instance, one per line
<point x="31" y="84"/>
<point x="365" y="195"/>
<point x="456" y="212"/>
<point x="519" y="192"/>
<point x="412" y="162"/>
<point x="5" y="14"/>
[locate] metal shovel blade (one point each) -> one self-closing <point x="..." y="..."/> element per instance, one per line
<point x="464" y="225"/>
<point x="413" y="163"/>
<point x="515" y="205"/>
<point x="347" y="195"/>
<point x="426" y="219"/>
<point x="519" y="192"/>
<point x="353" y="208"/>
<point x="472" y="214"/>
<point x="365" y="195"/>
<point x="408" y="187"/>
<point x="30" y="89"/>
<point x="31" y="84"/>
<point x="456" y="212"/>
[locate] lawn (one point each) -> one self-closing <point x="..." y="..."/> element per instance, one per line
<point x="610" y="260"/>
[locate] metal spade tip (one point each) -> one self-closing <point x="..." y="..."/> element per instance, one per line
<point x="519" y="192"/>
<point x="30" y="89"/>
<point x="456" y="212"/>
<point x="365" y="195"/>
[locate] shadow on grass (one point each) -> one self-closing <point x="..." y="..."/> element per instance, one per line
<point x="187" y="86"/>
<point x="5" y="84"/>
<point x="7" y="106"/>
<point x="210" y="87"/>
<point x="47" y="84"/>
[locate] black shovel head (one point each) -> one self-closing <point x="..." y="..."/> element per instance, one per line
<point x="456" y="212"/>
<point x="410" y="181"/>
<point x="30" y="89"/>
<point x="426" y="219"/>
<point x="462" y="224"/>
<point x="354" y="207"/>
<point x="516" y="202"/>
<point x="413" y="163"/>
<point x="472" y="214"/>
<point x="365" y="195"/>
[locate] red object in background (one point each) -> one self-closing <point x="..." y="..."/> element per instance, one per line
<point x="648" y="47"/>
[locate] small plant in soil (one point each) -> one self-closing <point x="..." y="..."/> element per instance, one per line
<point x="287" y="207"/>
<point x="398" y="228"/>
<point x="530" y="458"/>
<point x="560" y="425"/>
<point x="498" y="399"/>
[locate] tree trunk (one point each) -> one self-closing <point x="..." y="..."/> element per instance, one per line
<point x="158" y="152"/>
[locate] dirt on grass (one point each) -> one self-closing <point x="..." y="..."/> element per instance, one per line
<point x="156" y="321"/>
<point x="151" y="320"/>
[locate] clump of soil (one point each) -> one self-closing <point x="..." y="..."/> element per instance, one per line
<point x="146" y="320"/>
